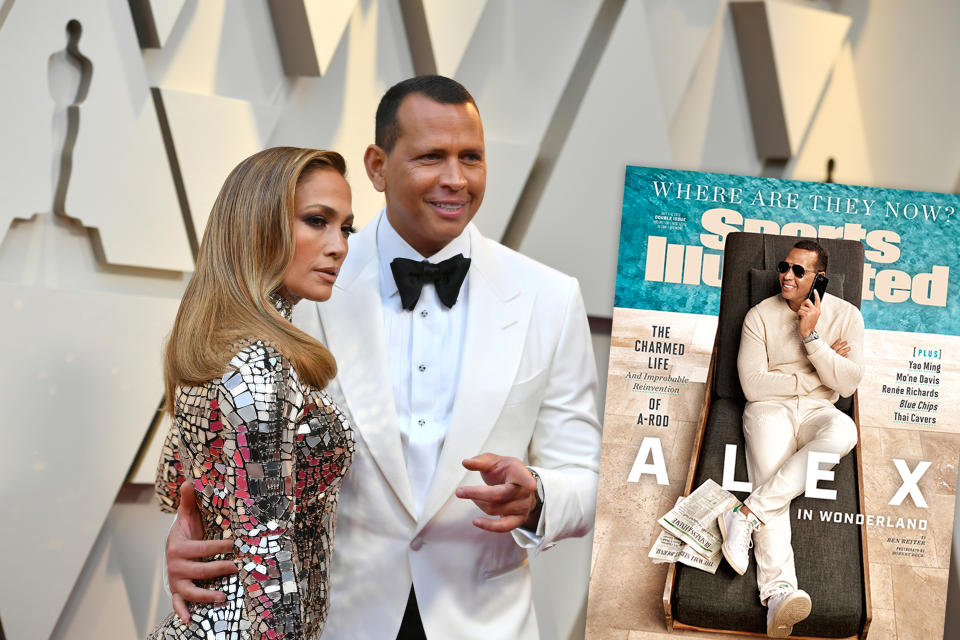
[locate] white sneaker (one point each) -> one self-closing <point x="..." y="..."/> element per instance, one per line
<point x="737" y="530"/>
<point x="785" y="609"/>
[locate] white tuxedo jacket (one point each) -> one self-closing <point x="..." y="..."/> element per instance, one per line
<point x="527" y="389"/>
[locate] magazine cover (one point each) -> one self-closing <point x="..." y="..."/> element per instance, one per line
<point x="708" y="342"/>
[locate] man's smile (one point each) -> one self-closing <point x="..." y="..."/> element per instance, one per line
<point x="449" y="208"/>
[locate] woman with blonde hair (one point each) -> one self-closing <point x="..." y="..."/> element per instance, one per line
<point x="266" y="450"/>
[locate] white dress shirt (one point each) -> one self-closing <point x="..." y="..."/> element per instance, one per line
<point x="423" y="348"/>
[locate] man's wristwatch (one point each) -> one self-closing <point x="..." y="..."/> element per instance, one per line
<point x="810" y="338"/>
<point x="536" y="476"/>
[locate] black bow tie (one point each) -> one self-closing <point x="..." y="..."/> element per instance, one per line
<point x="446" y="276"/>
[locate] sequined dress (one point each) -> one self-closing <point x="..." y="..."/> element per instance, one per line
<point x="268" y="455"/>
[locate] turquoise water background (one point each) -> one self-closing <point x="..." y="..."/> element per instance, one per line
<point x="924" y="242"/>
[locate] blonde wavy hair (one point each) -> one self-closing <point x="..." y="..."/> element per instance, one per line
<point x="246" y="249"/>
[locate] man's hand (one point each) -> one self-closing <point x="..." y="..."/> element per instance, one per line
<point x="808" y="314"/>
<point x="841" y="347"/>
<point x="186" y="549"/>
<point x="511" y="493"/>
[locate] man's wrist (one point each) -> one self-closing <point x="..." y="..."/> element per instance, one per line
<point x="538" y="501"/>
<point x="810" y="337"/>
<point x="533" y="515"/>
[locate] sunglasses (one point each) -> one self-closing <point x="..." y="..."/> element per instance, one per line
<point x="798" y="271"/>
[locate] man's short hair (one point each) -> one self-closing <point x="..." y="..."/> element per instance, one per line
<point x="438" y="88"/>
<point x="810" y="245"/>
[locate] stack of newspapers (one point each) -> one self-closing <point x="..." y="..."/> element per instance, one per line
<point x="690" y="532"/>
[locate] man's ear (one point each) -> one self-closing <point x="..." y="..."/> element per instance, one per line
<point x="375" y="161"/>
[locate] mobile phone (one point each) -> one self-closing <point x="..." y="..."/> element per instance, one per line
<point x="819" y="285"/>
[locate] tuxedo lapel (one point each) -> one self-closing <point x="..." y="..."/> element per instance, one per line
<point x="353" y="324"/>
<point x="498" y="315"/>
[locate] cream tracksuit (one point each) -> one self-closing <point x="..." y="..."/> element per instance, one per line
<point x="790" y="389"/>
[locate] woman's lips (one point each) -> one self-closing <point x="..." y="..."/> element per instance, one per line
<point x="328" y="274"/>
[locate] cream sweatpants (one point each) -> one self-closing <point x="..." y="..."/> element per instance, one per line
<point x="779" y="435"/>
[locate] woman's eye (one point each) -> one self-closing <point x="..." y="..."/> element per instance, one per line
<point x="316" y="221"/>
<point x="348" y="230"/>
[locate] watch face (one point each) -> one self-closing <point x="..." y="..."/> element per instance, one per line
<point x="536" y="476"/>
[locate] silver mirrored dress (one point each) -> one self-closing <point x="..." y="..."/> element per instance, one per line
<point x="267" y="454"/>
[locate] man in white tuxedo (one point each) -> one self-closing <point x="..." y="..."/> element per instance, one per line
<point x="469" y="375"/>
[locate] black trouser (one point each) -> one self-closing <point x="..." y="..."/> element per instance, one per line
<point x="411" y="628"/>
